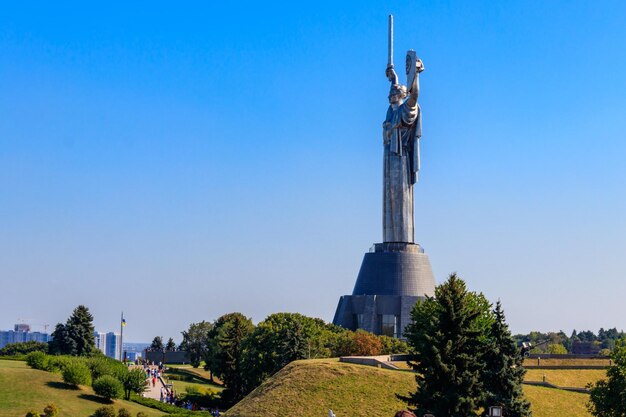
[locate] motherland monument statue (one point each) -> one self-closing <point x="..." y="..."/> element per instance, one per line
<point x="396" y="273"/>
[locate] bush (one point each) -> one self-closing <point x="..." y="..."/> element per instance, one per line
<point x="106" y="411"/>
<point x="23" y="348"/>
<point x="100" y="365"/>
<point x="32" y="414"/>
<point x="192" y="389"/>
<point x="37" y="360"/>
<point x="141" y="414"/>
<point x="76" y="373"/>
<point x="59" y="363"/>
<point x="51" y="410"/>
<point x="108" y="387"/>
<point x="122" y="412"/>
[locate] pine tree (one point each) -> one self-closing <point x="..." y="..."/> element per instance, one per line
<point x="170" y="345"/>
<point x="80" y="326"/>
<point x="504" y="373"/>
<point x="157" y="344"/>
<point x="76" y="336"/>
<point x="448" y="334"/>
<point x="226" y="350"/>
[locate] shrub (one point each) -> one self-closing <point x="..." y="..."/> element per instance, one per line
<point x="32" y="414"/>
<point x="76" y="373"/>
<point x="193" y="390"/>
<point x="59" y="363"/>
<point x="122" y="412"/>
<point x="141" y="414"/>
<point x="37" y="360"/>
<point x="23" y="348"/>
<point x="51" y="410"/>
<point x="100" y="365"/>
<point x="108" y="387"/>
<point x="106" y="411"/>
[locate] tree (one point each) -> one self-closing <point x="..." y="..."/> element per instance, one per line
<point x="170" y="346"/>
<point x="195" y="341"/>
<point x="366" y="344"/>
<point x="557" y="349"/>
<point x="133" y="381"/>
<point x="76" y="336"/>
<point x="278" y="340"/>
<point x="446" y="333"/>
<point x="61" y="343"/>
<point x="225" y="352"/>
<point x="391" y="345"/>
<point x="608" y="396"/>
<point x="503" y="374"/>
<point x="157" y="343"/>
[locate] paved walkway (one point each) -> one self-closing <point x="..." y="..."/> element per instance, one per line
<point x="154" y="392"/>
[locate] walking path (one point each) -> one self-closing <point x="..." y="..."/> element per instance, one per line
<point x="154" y="392"/>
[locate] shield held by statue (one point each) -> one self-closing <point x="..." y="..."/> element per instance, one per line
<point x="411" y="68"/>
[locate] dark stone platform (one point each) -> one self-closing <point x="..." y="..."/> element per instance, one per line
<point x="392" y="278"/>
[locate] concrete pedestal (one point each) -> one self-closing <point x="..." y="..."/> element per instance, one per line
<point x="392" y="278"/>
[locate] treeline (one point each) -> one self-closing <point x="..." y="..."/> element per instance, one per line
<point x="243" y="355"/>
<point x="157" y="344"/>
<point x="561" y="343"/>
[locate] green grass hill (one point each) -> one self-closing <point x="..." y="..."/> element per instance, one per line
<point x="311" y="387"/>
<point x="23" y="389"/>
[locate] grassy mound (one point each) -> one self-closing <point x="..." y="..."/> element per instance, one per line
<point x="25" y="389"/>
<point x="310" y="388"/>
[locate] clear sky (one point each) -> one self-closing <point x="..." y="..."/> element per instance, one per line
<point x="182" y="162"/>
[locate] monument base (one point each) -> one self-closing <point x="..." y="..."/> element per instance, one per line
<point x="392" y="278"/>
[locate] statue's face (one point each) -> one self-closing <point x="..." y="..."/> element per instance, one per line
<point x="395" y="96"/>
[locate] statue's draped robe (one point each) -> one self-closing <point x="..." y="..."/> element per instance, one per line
<point x="401" y="133"/>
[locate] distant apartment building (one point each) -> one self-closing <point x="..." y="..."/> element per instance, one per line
<point x="21" y="333"/>
<point x="100" y="340"/>
<point x="112" y="348"/>
<point x="108" y="343"/>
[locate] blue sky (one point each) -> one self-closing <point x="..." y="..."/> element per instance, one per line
<point x="183" y="162"/>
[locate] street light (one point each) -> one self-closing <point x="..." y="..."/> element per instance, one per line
<point x="495" y="411"/>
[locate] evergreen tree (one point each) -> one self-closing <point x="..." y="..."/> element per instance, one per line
<point x="76" y="336"/>
<point x="80" y="328"/>
<point x="157" y="344"/>
<point x="170" y="345"/>
<point x="225" y="353"/>
<point x="447" y="333"/>
<point x="504" y="373"/>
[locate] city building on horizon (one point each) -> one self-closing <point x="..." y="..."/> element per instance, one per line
<point x="100" y="339"/>
<point x="108" y="343"/>
<point x="21" y="333"/>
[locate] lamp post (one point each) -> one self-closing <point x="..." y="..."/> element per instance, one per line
<point x="495" y="411"/>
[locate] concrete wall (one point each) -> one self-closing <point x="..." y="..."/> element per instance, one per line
<point x="176" y="357"/>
